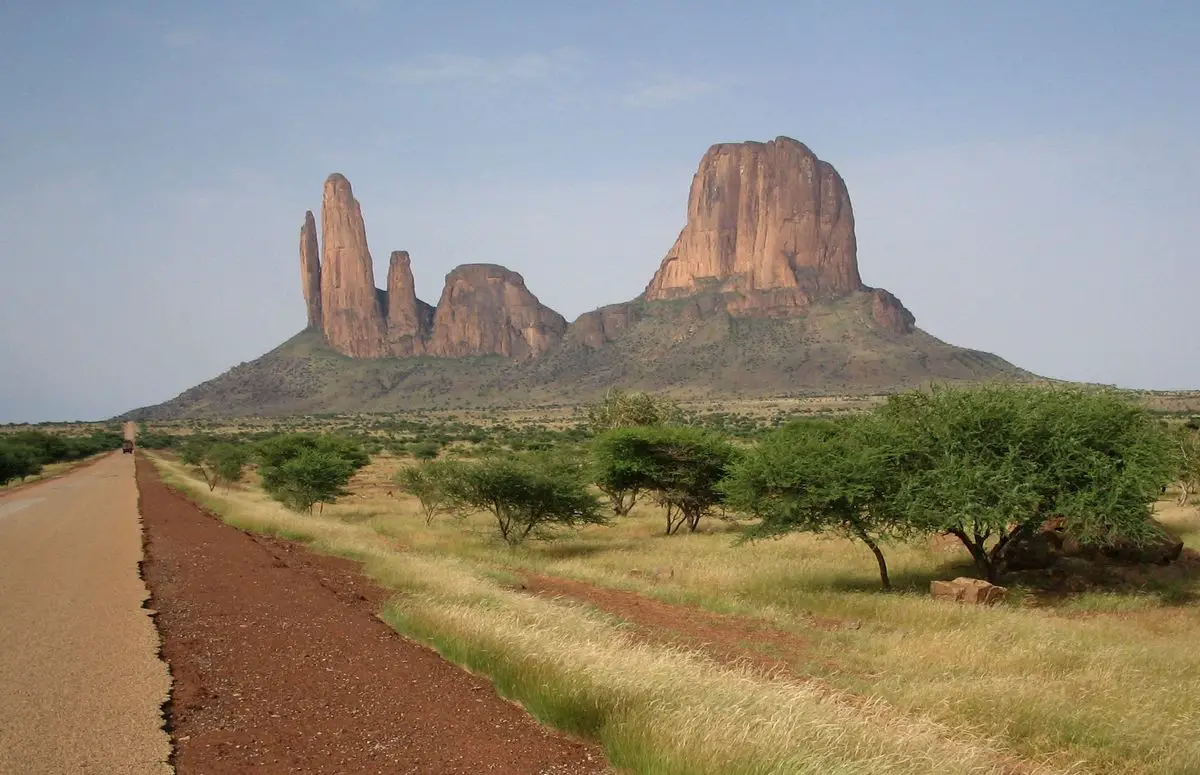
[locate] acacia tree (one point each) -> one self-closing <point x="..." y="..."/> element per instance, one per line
<point x="430" y="483"/>
<point x="991" y="465"/>
<point x="528" y="494"/>
<point x="193" y="453"/>
<point x="621" y="409"/>
<point x="1187" y="450"/>
<point x="225" y="461"/>
<point x="819" y="477"/>
<point x="312" y="477"/>
<point x="275" y="453"/>
<point x="682" y="466"/>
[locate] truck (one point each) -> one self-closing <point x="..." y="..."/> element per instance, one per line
<point x="127" y="447"/>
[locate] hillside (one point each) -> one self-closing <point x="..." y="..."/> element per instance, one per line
<point x="832" y="350"/>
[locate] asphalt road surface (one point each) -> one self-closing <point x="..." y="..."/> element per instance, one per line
<point x="81" y="682"/>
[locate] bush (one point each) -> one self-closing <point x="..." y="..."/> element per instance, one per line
<point x="429" y="482"/>
<point x="226" y="461"/>
<point x="303" y="469"/>
<point x="312" y="477"/>
<point x="528" y="494"/>
<point x="621" y="409"/>
<point x="425" y="450"/>
<point x="17" y="462"/>
<point x="276" y="451"/>
<point x="682" y="466"/>
<point x="1187" y="458"/>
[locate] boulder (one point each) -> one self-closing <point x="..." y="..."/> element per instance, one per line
<point x="1053" y="541"/>
<point x="967" y="590"/>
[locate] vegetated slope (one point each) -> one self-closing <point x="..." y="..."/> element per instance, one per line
<point x="671" y="346"/>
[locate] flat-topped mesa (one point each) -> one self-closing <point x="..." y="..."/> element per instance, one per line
<point x="769" y="221"/>
<point x="409" y="320"/>
<point x="310" y="269"/>
<point x="351" y="316"/>
<point x="486" y="309"/>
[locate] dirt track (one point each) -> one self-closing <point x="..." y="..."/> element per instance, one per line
<point x="80" y="678"/>
<point x="281" y="666"/>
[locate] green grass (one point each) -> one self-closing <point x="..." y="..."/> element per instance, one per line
<point x="1104" y="682"/>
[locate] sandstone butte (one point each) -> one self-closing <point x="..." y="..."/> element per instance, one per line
<point x="770" y="226"/>
<point x="769" y="230"/>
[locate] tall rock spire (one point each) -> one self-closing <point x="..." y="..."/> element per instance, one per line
<point x="409" y="319"/>
<point x="310" y="269"/>
<point x="351" y="314"/>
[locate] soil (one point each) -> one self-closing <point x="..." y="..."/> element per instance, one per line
<point x="281" y="666"/>
<point x="729" y="639"/>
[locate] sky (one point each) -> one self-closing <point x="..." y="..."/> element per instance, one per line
<point x="1025" y="176"/>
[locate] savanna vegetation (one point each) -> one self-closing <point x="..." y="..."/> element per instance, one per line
<point x="793" y="526"/>
<point x="27" y="453"/>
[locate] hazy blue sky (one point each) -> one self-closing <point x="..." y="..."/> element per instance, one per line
<point x="1024" y="174"/>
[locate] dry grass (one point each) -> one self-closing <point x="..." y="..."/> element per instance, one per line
<point x="1103" y="683"/>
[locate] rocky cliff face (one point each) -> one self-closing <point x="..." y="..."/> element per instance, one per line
<point x="763" y="217"/>
<point x="486" y="309"/>
<point x="350" y="312"/>
<point x="770" y="228"/>
<point x="310" y="270"/>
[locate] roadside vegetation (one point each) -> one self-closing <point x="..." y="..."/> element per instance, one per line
<point x="32" y="453"/>
<point x="1086" y="667"/>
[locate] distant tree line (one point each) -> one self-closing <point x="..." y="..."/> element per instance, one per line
<point x="25" y="453"/>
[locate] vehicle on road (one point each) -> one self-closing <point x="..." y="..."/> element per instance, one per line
<point x="127" y="447"/>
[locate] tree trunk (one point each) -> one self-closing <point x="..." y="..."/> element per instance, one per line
<point x="998" y="559"/>
<point x="874" y="547"/>
<point x="983" y="563"/>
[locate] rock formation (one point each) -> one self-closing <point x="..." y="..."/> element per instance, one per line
<point x="592" y="329"/>
<point x="486" y="309"/>
<point x="350" y="312"/>
<point x="763" y="218"/>
<point x="310" y="269"/>
<point x="890" y="314"/>
<point x="409" y="320"/>
<point x="770" y="227"/>
<point x="769" y="232"/>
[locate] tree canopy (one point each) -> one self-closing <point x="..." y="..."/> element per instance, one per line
<point x="992" y="464"/>
<point x="819" y="477"/>
<point x="528" y="493"/>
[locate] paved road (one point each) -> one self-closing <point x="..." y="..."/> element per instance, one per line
<point x="81" y="684"/>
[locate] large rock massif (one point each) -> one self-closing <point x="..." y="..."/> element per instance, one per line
<point x="760" y="294"/>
